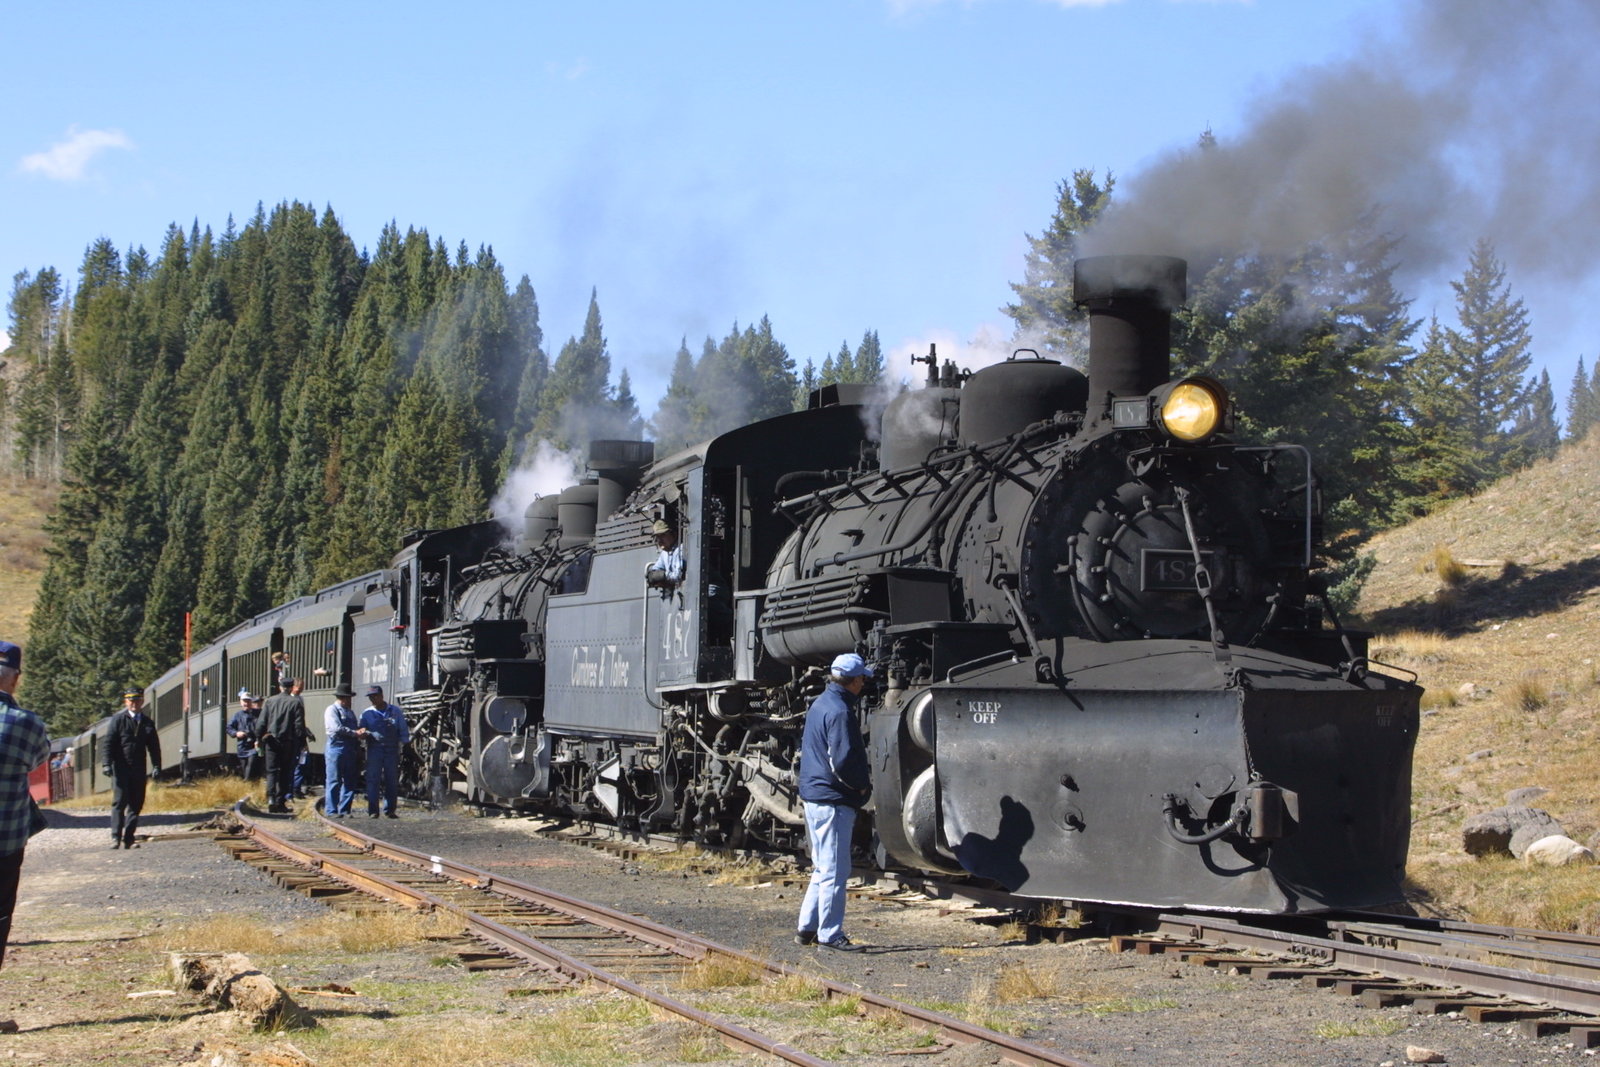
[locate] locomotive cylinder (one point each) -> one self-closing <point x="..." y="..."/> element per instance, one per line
<point x="1130" y="301"/>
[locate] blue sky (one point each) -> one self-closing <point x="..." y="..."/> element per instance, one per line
<point x="837" y="166"/>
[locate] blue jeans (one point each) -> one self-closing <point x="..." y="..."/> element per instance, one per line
<point x="828" y="828"/>
<point x="383" y="767"/>
<point x="342" y="764"/>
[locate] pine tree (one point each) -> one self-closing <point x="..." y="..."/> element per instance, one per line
<point x="1490" y="351"/>
<point x="577" y="396"/>
<point x="868" y="369"/>
<point x="681" y="415"/>
<point x="1583" y="403"/>
<point x="1535" y="434"/>
<point x="1044" y="312"/>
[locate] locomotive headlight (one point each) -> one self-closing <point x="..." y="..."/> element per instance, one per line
<point x="1193" y="409"/>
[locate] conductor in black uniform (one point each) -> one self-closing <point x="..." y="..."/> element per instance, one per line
<point x="132" y="751"/>
<point x="283" y="735"/>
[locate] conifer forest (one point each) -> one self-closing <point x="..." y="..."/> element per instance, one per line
<point x="240" y="418"/>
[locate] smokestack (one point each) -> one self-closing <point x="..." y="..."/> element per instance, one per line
<point x="1130" y="300"/>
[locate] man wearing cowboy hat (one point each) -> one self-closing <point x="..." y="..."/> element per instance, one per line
<point x="129" y="741"/>
<point x="667" y="570"/>
<point x="343" y="756"/>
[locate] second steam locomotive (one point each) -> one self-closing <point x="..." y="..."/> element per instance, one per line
<point x="1105" y="675"/>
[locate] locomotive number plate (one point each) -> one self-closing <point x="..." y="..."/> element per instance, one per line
<point x="1170" y="569"/>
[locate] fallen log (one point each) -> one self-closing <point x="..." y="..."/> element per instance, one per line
<point x="232" y="982"/>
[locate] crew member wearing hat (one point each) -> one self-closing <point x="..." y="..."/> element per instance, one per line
<point x="243" y="728"/>
<point x="283" y="732"/>
<point x="24" y="744"/>
<point x="667" y="570"/>
<point x="343" y="755"/>
<point x="129" y="742"/>
<point x="835" y="780"/>
<point x="387" y="732"/>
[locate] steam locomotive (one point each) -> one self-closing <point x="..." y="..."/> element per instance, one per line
<point x="1106" y="676"/>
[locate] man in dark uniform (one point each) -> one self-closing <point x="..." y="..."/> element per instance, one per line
<point x="283" y="732"/>
<point x="130" y="742"/>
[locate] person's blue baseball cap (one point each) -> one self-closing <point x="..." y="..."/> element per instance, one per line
<point x="850" y="665"/>
<point x="10" y="655"/>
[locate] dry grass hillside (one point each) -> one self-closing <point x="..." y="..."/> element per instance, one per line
<point x="23" y="507"/>
<point x="1495" y="602"/>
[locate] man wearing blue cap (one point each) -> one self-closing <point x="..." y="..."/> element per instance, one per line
<point x="835" y="780"/>
<point x="130" y="739"/>
<point x="24" y="744"/>
<point x="387" y="732"/>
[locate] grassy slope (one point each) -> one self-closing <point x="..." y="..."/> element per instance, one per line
<point x="1508" y="648"/>
<point x="23" y="507"/>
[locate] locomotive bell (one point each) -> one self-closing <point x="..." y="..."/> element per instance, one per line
<point x="1130" y="300"/>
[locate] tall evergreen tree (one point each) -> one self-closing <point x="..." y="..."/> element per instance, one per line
<point x="1583" y="402"/>
<point x="1535" y="434"/>
<point x="1044" y="312"/>
<point x="1490" y="352"/>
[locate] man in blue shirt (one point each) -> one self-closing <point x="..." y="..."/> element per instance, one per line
<point x="24" y="744"/>
<point x="387" y="731"/>
<point x="244" y="725"/>
<point x="342" y="758"/>
<point x="667" y="571"/>
<point x="835" y="780"/>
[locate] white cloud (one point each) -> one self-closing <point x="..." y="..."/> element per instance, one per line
<point x="568" y="71"/>
<point x="67" y="160"/>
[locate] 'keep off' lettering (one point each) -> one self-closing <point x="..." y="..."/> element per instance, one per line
<point x="984" y="711"/>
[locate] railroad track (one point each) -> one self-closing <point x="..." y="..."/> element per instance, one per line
<point x="1545" y="982"/>
<point x="576" y="941"/>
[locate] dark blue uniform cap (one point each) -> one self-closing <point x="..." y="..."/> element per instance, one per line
<point x="10" y="655"/>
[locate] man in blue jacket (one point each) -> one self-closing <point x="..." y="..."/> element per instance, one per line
<point x="835" y="780"/>
<point x="387" y="732"/>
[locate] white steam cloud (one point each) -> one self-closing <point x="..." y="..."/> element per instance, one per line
<point x="547" y="470"/>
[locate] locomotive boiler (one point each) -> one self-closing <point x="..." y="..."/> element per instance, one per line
<point x="1107" y="671"/>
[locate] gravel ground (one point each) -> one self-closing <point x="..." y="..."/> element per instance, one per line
<point x="1105" y="1008"/>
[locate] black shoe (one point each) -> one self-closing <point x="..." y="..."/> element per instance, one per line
<point x="841" y="943"/>
<point x="805" y="937"/>
<point x="116" y="844"/>
<point x="390" y="815"/>
<point x="130" y="844"/>
<point x="372" y="815"/>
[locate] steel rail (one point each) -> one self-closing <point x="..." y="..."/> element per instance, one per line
<point x="1564" y="991"/>
<point x="1012" y="1050"/>
<point x="686" y="945"/>
<point x="519" y="944"/>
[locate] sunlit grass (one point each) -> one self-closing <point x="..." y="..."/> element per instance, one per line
<point x="377" y="931"/>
